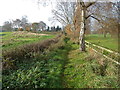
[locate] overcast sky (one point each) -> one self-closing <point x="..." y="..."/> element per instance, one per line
<point x="12" y="9"/>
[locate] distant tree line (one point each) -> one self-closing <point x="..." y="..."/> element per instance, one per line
<point x="53" y="28"/>
<point x="23" y="25"/>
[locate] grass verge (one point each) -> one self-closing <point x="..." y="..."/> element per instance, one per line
<point x="108" y="42"/>
<point x="89" y="70"/>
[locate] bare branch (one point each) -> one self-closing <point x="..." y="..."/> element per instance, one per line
<point x="95" y="18"/>
<point x="88" y="16"/>
<point x="81" y="3"/>
<point x="90" y="4"/>
<point x="58" y="17"/>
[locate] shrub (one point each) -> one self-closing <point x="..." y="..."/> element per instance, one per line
<point x="66" y="39"/>
<point x="20" y="29"/>
<point x="26" y="51"/>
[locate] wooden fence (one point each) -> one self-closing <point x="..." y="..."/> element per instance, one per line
<point x="109" y="54"/>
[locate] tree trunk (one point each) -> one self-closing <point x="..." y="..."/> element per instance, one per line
<point x="105" y="34"/>
<point x="82" y="31"/>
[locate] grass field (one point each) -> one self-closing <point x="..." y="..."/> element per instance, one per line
<point x="13" y="39"/>
<point x="56" y="65"/>
<point x="108" y="42"/>
<point x="63" y="67"/>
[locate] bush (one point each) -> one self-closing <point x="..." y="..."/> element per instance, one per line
<point x="66" y="39"/>
<point x="26" y="51"/>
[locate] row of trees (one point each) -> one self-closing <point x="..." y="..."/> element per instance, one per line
<point x="23" y="24"/>
<point x="53" y="28"/>
<point x="15" y="24"/>
<point x="78" y="17"/>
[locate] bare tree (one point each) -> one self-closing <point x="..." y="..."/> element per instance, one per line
<point x="17" y="23"/>
<point x="64" y="12"/>
<point x="84" y="9"/>
<point x="7" y="26"/>
<point x="24" y="22"/>
<point x="96" y="11"/>
<point x="105" y="11"/>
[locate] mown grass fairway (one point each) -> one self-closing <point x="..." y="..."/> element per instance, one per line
<point x="13" y="39"/>
<point x="108" y="42"/>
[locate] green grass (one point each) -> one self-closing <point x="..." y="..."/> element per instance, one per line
<point x="108" y="42"/>
<point x="5" y="32"/>
<point x="42" y="71"/>
<point x="63" y="67"/>
<point x="84" y="71"/>
<point x="11" y="40"/>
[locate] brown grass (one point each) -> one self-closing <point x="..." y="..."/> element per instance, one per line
<point x="27" y="33"/>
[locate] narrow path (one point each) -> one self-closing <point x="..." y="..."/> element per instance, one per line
<point x="66" y="61"/>
<point x="69" y="49"/>
<point x="65" y="78"/>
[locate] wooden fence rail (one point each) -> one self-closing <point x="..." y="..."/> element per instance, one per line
<point x="90" y="45"/>
<point x="110" y="51"/>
